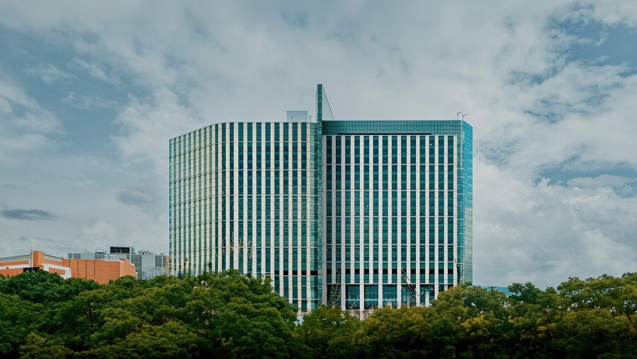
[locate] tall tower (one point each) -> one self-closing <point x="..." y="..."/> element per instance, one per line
<point x="397" y="210"/>
<point x="358" y="213"/>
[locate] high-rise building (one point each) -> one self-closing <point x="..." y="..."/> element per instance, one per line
<point x="359" y="214"/>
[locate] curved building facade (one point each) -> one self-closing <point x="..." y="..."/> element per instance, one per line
<point x="246" y="196"/>
<point x="359" y="214"/>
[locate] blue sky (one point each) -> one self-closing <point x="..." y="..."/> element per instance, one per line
<point x="91" y="93"/>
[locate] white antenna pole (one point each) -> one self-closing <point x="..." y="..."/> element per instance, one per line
<point x="463" y="115"/>
<point x="458" y="115"/>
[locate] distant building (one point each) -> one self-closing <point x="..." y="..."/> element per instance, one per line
<point x="100" y="270"/>
<point x="504" y="290"/>
<point x="147" y="264"/>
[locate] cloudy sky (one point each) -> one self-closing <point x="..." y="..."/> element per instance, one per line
<point x="91" y="93"/>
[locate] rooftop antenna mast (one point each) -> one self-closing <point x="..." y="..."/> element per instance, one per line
<point x="463" y="115"/>
<point x="458" y="115"/>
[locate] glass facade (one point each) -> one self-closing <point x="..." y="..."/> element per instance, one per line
<point x="247" y="196"/>
<point x="359" y="214"/>
<point x="397" y="210"/>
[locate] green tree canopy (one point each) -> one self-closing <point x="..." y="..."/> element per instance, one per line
<point x="228" y="315"/>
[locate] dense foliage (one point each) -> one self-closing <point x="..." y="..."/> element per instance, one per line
<point x="227" y="315"/>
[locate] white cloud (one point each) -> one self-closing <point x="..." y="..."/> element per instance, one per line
<point x="5" y="107"/>
<point x="616" y="12"/>
<point x="593" y="136"/>
<point x="546" y="233"/>
<point x="38" y="121"/>
<point x="81" y="191"/>
<point x="144" y="198"/>
<point x="98" y="230"/>
<point x="84" y="102"/>
<point x="601" y="181"/>
<point x="24" y="126"/>
<point x="48" y="73"/>
<point x="14" y="94"/>
<point x="533" y="109"/>
<point x="96" y="70"/>
<point x="148" y="124"/>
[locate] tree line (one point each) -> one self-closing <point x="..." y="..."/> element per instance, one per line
<point x="228" y="315"/>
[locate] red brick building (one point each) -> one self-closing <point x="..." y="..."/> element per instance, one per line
<point x="99" y="270"/>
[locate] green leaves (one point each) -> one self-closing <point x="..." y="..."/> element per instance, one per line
<point x="223" y="315"/>
<point x="326" y="332"/>
<point x="583" y="319"/>
<point x="37" y="347"/>
<point x="227" y="315"/>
